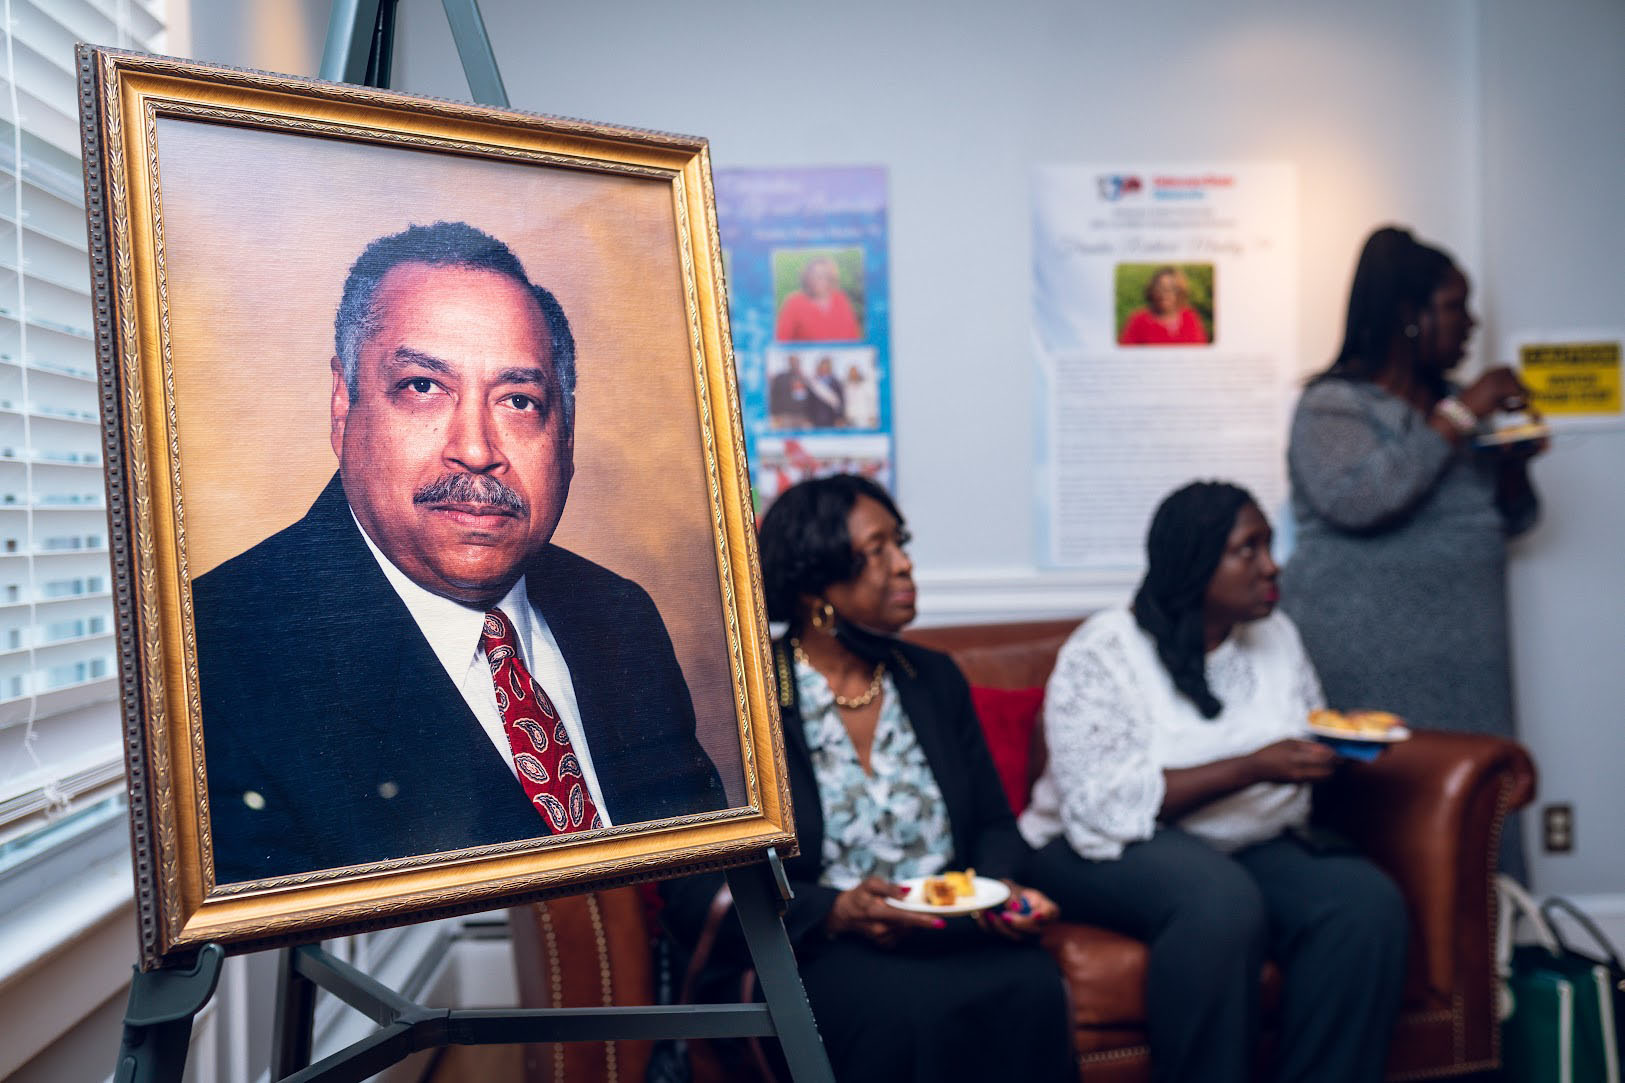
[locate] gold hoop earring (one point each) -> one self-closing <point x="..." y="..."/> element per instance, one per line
<point x="823" y="618"/>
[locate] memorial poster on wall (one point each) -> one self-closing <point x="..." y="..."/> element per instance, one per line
<point x="1165" y="316"/>
<point x="807" y="268"/>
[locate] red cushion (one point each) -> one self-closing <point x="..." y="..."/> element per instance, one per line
<point x="1008" y="716"/>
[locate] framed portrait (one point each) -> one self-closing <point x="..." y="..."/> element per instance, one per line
<point x="432" y="541"/>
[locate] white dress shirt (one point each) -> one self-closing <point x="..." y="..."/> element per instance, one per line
<point x="1114" y="721"/>
<point x="454" y="632"/>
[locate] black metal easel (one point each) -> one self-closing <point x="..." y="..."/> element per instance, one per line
<point x="158" y="1018"/>
<point x="361" y="43"/>
<point x="405" y="1027"/>
<point x="162" y="1004"/>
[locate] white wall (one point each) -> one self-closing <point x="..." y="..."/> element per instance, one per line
<point x="1552" y="157"/>
<point x="270" y="35"/>
<point x="958" y="100"/>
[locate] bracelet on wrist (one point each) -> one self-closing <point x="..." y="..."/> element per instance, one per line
<point x="1457" y="415"/>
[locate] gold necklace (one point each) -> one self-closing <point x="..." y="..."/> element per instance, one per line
<point x="856" y="702"/>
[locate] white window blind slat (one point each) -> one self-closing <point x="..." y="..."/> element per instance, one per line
<point x="44" y="40"/>
<point x="48" y="259"/>
<point x="53" y="257"/>
<point x="54" y="304"/>
<point x="44" y="73"/>
<point x="49" y="175"/>
<point x="44" y="208"/>
<point x="33" y="23"/>
<point x="35" y="324"/>
<point x="76" y="244"/>
<point x="137" y="18"/>
<point x="45" y="121"/>
<point x="81" y="19"/>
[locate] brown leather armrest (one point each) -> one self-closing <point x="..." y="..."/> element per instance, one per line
<point x="715" y="915"/>
<point x="579" y="952"/>
<point x="1104" y="971"/>
<point x="1429" y="812"/>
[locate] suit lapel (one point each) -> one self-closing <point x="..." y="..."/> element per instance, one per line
<point x="375" y="646"/>
<point x="580" y="634"/>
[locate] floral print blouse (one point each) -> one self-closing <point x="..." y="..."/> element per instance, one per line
<point x="890" y="821"/>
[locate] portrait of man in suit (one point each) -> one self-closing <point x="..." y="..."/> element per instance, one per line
<point x="414" y="666"/>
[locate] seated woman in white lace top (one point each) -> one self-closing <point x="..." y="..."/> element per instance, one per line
<point x="1121" y="725"/>
<point x="1175" y="806"/>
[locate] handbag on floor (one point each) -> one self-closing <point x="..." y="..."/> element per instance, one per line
<point x="1609" y="959"/>
<point x="1558" y="1022"/>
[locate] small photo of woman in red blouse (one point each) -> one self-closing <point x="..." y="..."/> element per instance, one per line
<point x="820" y="310"/>
<point x="1170" y="316"/>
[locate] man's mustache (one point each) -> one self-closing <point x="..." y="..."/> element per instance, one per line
<point x="471" y="489"/>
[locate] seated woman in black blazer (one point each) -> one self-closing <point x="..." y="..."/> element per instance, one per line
<point x="891" y="778"/>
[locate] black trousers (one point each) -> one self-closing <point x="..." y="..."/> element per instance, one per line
<point x="962" y="1004"/>
<point x="1334" y="923"/>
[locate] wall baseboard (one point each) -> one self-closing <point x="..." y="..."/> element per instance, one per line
<point x="1018" y="594"/>
<point x="1607" y="910"/>
<point x="62" y="957"/>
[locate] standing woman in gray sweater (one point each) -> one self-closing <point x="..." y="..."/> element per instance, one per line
<point x="1398" y="580"/>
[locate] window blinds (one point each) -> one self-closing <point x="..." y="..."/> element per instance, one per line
<point x="60" y="744"/>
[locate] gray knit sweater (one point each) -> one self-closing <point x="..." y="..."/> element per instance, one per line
<point x="1398" y="579"/>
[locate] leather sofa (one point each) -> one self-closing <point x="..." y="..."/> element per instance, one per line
<point x="1429" y="812"/>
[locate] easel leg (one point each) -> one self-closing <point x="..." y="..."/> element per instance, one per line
<point x="292" y="1033"/>
<point x="757" y="901"/>
<point x="158" y="1020"/>
<point x="361" y="43"/>
<point x="381" y="57"/>
<point x="474" y="50"/>
<point x="349" y="40"/>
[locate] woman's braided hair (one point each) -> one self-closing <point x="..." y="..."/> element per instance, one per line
<point x="1183" y="547"/>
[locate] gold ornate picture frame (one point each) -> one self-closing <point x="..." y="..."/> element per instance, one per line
<point x="310" y="298"/>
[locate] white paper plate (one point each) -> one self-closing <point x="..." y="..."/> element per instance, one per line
<point x="989" y="893"/>
<point x="1517" y="434"/>
<point x="1398" y="733"/>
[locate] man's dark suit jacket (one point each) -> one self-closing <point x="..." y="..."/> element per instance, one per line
<point x="333" y="735"/>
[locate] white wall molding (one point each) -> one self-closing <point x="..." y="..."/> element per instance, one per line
<point x="62" y="956"/>
<point x="1017" y="594"/>
<point x="1607" y="910"/>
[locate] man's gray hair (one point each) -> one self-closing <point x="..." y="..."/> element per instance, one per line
<point x="443" y="244"/>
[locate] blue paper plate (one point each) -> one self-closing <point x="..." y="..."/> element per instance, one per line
<point x="1364" y="751"/>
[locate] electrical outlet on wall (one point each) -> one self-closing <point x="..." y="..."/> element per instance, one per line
<point x="1558" y="822"/>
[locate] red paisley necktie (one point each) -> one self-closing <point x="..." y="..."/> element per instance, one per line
<point x="547" y="767"/>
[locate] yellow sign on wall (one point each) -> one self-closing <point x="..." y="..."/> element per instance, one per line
<point x="1573" y="378"/>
